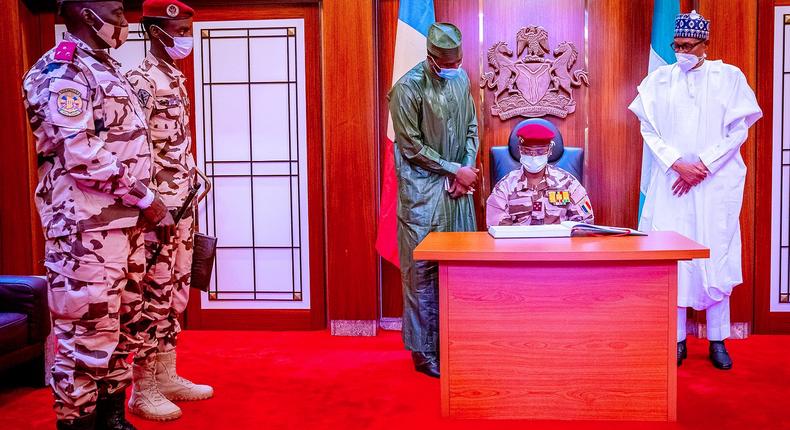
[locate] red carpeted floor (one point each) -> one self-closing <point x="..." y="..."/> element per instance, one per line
<point x="311" y="380"/>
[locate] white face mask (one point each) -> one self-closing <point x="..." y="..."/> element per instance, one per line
<point x="686" y="61"/>
<point x="113" y="35"/>
<point x="534" y="163"/>
<point x="182" y="46"/>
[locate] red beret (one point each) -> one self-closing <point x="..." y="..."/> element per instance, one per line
<point x="166" y="9"/>
<point x="535" y="135"/>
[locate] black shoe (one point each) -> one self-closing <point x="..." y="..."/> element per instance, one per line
<point x="682" y="352"/>
<point x="88" y="422"/>
<point x="111" y="412"/>
<point x="426" y="362"/>
<point x="719" y="356"/>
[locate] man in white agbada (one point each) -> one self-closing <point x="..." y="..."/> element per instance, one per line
<point x="695" y="114"/>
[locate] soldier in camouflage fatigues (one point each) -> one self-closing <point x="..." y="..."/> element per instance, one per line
<point x="94" y="170"/>
<point x="550" y="195"/>
<point x="160" y="87"/>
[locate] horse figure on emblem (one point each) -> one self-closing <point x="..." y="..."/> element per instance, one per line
<point x="561" y="69"/>
<point x="499" y="61"/>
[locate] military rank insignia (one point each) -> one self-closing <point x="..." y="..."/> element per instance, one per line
<point x="559" y="198"/>
<point x="537" y="206"/>
<point x="69" y="102"/>
<point x="65" y="51"/>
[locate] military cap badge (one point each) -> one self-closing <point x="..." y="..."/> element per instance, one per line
<point x="172" y="11"/>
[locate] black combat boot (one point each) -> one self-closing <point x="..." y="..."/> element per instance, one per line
<point x="111" y="412"/>
<point x="87" y="422"/>
<point x="426" y="362"/>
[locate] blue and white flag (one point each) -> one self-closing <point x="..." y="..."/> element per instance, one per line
<point x="661" y="54"/>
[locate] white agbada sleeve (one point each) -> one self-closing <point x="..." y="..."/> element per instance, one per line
<point x="742" y="111"/>
<point x="666" y="154"/>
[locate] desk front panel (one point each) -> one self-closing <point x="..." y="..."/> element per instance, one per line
<point x="540" y="340"/>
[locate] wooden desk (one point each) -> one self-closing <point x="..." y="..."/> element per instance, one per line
<point x="565" y="328"/>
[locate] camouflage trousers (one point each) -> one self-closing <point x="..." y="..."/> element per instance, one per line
<point x="94" y="297"/>
<point x="165" y="291"/>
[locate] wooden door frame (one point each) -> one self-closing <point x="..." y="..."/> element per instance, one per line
<point x="765" y="321"/>
<point x="286" y="319"/>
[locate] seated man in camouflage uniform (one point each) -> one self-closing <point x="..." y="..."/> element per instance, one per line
<point x="537" y="193"/>
<point x="94" y="171"/>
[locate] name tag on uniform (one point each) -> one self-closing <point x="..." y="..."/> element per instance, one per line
<point x="169" y="102"/>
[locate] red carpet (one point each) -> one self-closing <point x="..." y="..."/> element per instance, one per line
<point x="311" y="380"/>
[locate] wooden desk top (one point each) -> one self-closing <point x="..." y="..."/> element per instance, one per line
<point x="480" y="246"/>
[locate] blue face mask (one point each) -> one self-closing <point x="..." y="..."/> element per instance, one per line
<point x="448" y="74"/>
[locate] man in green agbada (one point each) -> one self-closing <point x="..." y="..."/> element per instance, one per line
<point x="436" y="147"/>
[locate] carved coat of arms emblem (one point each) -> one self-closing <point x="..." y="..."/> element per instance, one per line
<point x="532" y="84"/>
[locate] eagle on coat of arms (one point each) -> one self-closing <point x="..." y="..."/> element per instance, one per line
<point x="530" y="84"/>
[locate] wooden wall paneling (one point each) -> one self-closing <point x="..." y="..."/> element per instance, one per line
<point x="315" y="318"/>
<point x="734" y="40"/>
<point x="564" y="21"/>
<point x="386" y="28"/>
<point x="688" y="5"/>
<point x="350" y="159"/>
<point x="764" y="320"/>
<point x="619" y="41"/>
<point x="20" y="230"/>
<point x="38" y="35"/>
<point x="465" y="14"/>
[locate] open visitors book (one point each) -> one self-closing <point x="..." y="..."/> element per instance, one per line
<point x="564" y="229"/>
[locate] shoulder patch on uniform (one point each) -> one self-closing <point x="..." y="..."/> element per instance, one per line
<point x="144" y="96"/>
<point x="69" y="97"/>
<point x="69" y="102"/>
<point x="65" y="51"/>
<point x="586" y="207"/>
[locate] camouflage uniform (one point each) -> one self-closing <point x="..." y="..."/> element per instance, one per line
<point x="94" y="169"/>
<point x="558" y="197"/>
<point x="161" y="90"/>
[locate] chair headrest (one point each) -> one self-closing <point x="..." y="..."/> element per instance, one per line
<point x="556" y="153"/>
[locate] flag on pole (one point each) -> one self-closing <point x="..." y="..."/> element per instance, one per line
<point x="411" y="39"/>
<point x="661" y="54"/>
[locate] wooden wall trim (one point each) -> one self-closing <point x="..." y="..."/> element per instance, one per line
<point x="764" y="320"/>
<point x="280" y="319"/>
<point x="350" y="158"/>
<point x="387" y="17"/>
<point x="613" y="156"/>
<point x="734" y="40"/>
<point x="18" y="227"/>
